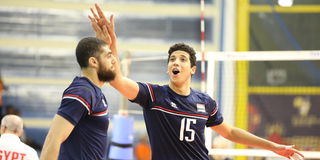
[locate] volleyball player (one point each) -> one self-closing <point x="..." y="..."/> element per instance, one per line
<point x="79" y="129"/>
<point x="175" y="114"/>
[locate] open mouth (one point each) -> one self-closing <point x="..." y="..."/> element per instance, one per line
<point x="175" y="71"/>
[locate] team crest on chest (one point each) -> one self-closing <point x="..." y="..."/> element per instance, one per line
<point x="201" y="107"/>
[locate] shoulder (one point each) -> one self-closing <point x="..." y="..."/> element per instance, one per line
<point x="154" y="91"/>
<point x="28" y="148"/>
<point x="29" y="151"/>
<point x="200" y="94"/>
<point x="148" y="84"/>
<point x="153" y="87"/>
<point x="204" y="97"/>
<point x="80" y="90"/>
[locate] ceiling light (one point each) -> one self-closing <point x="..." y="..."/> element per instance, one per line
<point x="285" y="3"/>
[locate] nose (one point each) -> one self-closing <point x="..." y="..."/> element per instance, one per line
<point x="176" y="63"/>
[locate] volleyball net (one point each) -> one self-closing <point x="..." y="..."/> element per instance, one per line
<point x="272" y="94"/>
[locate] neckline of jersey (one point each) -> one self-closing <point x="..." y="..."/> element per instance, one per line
<point x="183" y="96"/>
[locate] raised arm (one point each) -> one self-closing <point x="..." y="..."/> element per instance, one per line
<point x="243" y="137"/>
<point x="105" y="30"/>
<point x="59" y="131"/>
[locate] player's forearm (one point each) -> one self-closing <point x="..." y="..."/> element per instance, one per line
<point x="50" y="151"/>
<point x="49" y="155"/>
<point x="51" y="147"/>
<point x="243" y="137"/>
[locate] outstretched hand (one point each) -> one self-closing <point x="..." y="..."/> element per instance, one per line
<point x="103" y="27"/>
<point x="288" y="152"/>
<point x="101" y="32"/>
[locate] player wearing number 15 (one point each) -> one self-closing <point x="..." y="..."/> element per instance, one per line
<point x="176" y="115"/>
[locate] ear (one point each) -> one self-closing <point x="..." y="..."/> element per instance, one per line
<point x="19" y="132"/>
<point x="193" y="70"/>
<point x="93" y="62"/>
<point x="3" y="128"/>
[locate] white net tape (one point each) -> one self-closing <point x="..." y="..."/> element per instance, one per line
<point x="258" y="153"/>
<point x="250" y="56"/>
<point x="264" y="55"/>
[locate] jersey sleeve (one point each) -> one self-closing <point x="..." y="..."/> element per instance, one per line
<point x="215" y="116"/>
<point x="145" y="96"/>
<point x="75" y="104"/>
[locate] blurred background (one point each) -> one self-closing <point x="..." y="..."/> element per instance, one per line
<point x="37" y="58"/>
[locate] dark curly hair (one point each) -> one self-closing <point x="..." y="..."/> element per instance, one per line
<point x="186" y="48"/>
<point x="86" y="48"/>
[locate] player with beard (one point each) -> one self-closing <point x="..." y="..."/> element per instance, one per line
<point x="175" y="114"/>
<point x="79" y="129"/>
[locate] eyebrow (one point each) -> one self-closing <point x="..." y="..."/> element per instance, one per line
<point x="108" y="52"/>
<point x="182" y="55"/>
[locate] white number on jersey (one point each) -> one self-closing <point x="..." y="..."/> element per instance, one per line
<point x="185" y="127"/>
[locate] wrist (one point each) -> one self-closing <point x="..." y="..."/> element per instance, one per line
<point x="275" y="146"/>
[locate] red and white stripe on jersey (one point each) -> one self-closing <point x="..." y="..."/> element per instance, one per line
<point x="165" y="110"/>
<point x="214" y="111"/>
<point x="79" y="99"/>
<point x="153" y="98"/>
<point x="101" y="113"/>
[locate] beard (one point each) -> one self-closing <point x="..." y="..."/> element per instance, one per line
<point x="105" y="75"/>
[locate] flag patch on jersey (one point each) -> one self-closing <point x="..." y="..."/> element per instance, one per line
<point x="200" y="107"/>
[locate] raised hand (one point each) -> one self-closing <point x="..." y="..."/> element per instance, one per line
<point x="101" y="32"/>
<point x="100" y="21"/>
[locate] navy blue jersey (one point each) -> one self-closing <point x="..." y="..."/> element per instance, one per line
<point x="176" y="123"/>
<point x="85" y="106"/>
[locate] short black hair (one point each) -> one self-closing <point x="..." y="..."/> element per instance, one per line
<point x="186" y="48"/>
<point x="86" y="48"/>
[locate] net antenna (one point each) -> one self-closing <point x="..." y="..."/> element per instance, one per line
<point x="202" y="31"/>
<point x="208" y="132"/>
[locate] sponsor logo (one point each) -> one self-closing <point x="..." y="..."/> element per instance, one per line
<point x="173" y="105"/>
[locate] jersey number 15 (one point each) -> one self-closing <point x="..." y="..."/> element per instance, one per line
<point x="185" y="128"/>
